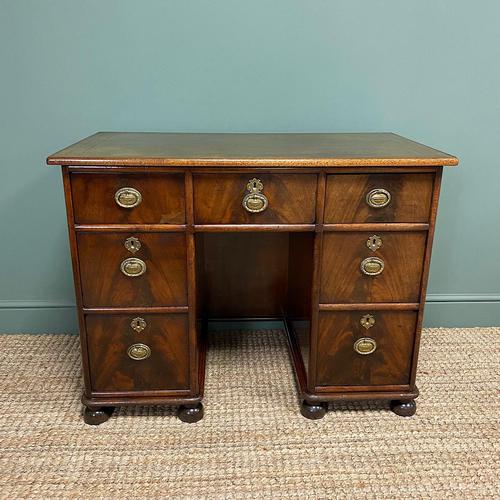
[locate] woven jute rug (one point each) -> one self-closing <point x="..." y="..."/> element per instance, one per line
<point x="252" y="443"/>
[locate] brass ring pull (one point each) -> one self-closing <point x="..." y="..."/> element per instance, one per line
<point x="133" y="267"/>
<point x="372" y="266"/>
<point x="128" y="197"/>
<point x="255" y="202"/>
<point x="138" y="352"/>
<point x="378" y="198"/>
<point x="365" y="345"/>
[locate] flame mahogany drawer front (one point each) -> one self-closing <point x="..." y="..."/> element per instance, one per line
<point x="354" y="273"/>
<point x="378" y="198"/>
<point x="352" y="355"/>
<point x="113" y="276"/>
<point x="142" y="352"/>
<point x="139" y="198"/>
<point x="234" y="199"/>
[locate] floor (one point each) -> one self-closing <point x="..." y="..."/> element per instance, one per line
<point x="252" y="443"/>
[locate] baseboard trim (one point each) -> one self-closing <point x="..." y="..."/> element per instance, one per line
<point x="446" y="310"/>
<point x="461" y="298"/>
<point x="35" y="304"/>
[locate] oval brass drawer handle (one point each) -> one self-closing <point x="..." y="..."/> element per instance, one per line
<point x="255" y="202"/>
<point x="138" y="352"/>
<point x="128" y="197"/>
<point x="133" y="267"/>
<point x="365" y="345"/>
<point x="378" y="198"/>
<point x="371" y="266"/>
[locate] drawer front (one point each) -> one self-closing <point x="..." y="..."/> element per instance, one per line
<point x="347" y="258"/>
<point x="353" y="198"/>
<point x="151" y="273"/>
<point x="142" y="352"/>
<point x="128" y="198"/>
<point x="350" y="354"/>
<point x="269" y="199"/>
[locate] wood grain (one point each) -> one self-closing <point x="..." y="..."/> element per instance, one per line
<point x="245" y="274"/>
<point x="299" y="290"/>
<point x="410" y="198"/>
<point x="162" y="198"/>
<point x="218" y="199"/>
<point x="390" y="364"/>
<point x="167" y="369"/>
<point x="343" y="281"/>
<point x="241" y="150"/>
<point x="104" y="285"/>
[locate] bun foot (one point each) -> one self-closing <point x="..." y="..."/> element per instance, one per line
<point x="191" y="414"/>
<point x="404" y="408"/>
<point x="313" y="412"/>
<point x="97" y="416"/>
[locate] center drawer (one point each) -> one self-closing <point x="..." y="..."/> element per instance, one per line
<point x="254" y="198"/>
<point x="143" y="352"/>
<point x="382" y="266"/>
<point x="132" y="270"/>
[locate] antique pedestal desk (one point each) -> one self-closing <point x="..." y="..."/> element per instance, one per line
<point x="331" y="233"/>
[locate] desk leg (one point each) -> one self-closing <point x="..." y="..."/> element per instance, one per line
<point x="97" y="416"/>
<point x="191" y="413"/>
<point x="313" y="411"/>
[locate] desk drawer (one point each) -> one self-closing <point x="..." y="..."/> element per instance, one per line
<point x="113" y="276"/>
<point x="139" y="352"/>
<point x="128" y="198"/>
<point x="354" y="198"/>
<point x="353" y="273"/>
<point x="254" y="198"/>
<point x="350" y="354"/>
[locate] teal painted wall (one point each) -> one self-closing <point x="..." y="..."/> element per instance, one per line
<point x="429" y="70"/>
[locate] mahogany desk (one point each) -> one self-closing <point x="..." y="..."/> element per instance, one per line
<point x="330" y="232"/>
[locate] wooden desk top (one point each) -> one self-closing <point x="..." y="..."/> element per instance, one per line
<point x="249" y="150"/>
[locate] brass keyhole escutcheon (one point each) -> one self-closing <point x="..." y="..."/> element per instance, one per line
<point x="255" y="201"/>
<point x="138" y="352"/>
<point x="365" y="345"/>
<point x="374" y="242"/>
<point x="372" y="266"/>
<point x="367" y="321"/>
<point x="128" y="197"/>
<point x="378" y="198"/>
<point x="138" y="324"/>
<point x="132" y="244"/>
<point x="133" y="267"/>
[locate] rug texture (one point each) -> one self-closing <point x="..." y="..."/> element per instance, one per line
<point x="252" y="443"/>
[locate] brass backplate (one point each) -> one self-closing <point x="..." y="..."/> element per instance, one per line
<point x="365" y="345"/>
<point x="139" y="352"/>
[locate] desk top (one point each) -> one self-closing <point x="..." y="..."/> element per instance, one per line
<point x="249" y="150"/>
